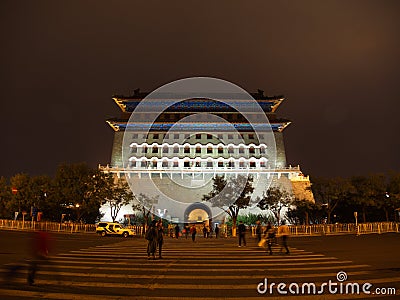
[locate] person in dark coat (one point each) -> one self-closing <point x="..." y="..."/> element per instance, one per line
<point x="151" y="237"/>
<point x="258" y="231"/>
<point x="216" y="231"/>
<point x="160" y="237"/>
<point x="193" y="232"/>
<point x="242" y="234"/>
<point x="177" y="229"/>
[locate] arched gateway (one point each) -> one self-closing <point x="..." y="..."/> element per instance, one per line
<point x="197" y="212"/>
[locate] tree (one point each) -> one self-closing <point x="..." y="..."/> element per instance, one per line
<point x="79" y="192"/>
<point x="391" y="201"/>
<point x="145" y="205"/>
<point x="305" y="212"/>
<point x="21" y="201"/>
<point x="231" y="195"/>
<point x="367" y="191"/>
<point x="41" y="186"/>
<point x="275" y="199"/>
<point x="5" y="198"/>
<point x="121" y="196"/>
<point x="329" y="192"/>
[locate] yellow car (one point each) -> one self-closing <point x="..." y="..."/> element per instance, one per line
<point x="110" y="228"/>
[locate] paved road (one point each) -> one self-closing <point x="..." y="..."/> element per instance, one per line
<point x="118" y="269"/>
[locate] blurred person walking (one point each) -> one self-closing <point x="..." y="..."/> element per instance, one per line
<point x="284" y="232"/>
<point x="270" y="237"/>
<point x="40" y="251"/>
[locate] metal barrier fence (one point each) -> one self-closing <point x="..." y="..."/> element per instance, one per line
<point x="47" y="226"/>
<point x="351" y="228"/>
<point x="296" y="230"/>
<point x="59" y="227"/>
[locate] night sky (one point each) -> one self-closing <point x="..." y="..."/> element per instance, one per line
<point x="336" y="62"/>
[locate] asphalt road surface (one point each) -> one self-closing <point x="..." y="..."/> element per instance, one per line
<point x="85" y="266"/>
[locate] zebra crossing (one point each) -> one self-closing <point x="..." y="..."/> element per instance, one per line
<point x="207" y="269"/>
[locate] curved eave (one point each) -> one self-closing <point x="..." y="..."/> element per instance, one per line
<point x="283" y="126"/>
<point x="113" y="125"/>
<point x="128" y="105"/>
<point x="121" y="103"/>
<point x="276" y="105"/>
<point x="118" y="125"/>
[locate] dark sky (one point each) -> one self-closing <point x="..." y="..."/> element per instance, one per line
<point x="336" y="62"/>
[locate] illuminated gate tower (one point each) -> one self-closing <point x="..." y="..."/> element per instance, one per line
<point x="170" y="159"/>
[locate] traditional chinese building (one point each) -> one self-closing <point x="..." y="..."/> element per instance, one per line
<point x="179" y="154"/>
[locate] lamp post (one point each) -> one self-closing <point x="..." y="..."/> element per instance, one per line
<point x="14" y="191"/>
<point x="355" y="216"/>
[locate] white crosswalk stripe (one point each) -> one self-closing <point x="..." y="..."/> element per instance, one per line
<point x="207" y="269"/>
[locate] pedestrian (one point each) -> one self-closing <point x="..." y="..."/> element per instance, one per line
<point x="151" y="237"/>
<point x="177" y="230"/>
<point x="270" y="236"/>
<point x="242" y="234"/>
<point x="193" y="232"/>
<point x="40" y="251"/>
<point x="258" y="231"/>
<point x="160" y="237"/>
<point x="204" y="231"/>
<point x="216" y="231"/>
<point x="186" y="231"/>
<point x="284" y="232"/>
